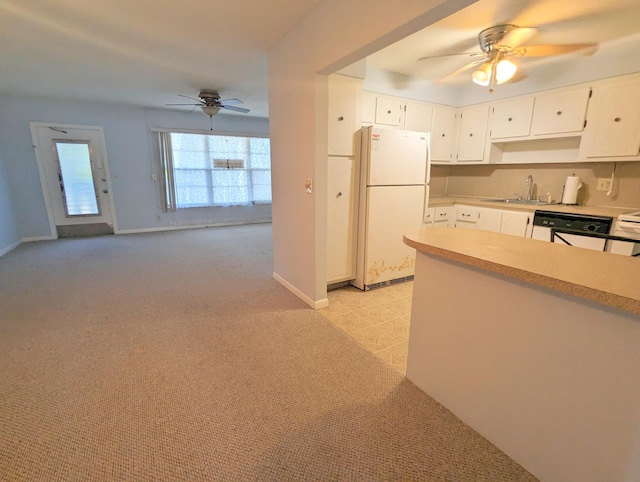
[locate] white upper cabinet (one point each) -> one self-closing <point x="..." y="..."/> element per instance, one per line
<point x="389" y="110"/>
<point x="613" y="121"/>
<point x="368" y="108"/>
<point x="560" y="112"/>
<point x="512" y="118"/>
<point x="443" y="133"/>
<point x="472" y="133"/>
<point x="417" y="116"/>
<point x="345" y="106"/>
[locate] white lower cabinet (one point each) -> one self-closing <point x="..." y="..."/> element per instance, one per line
<point x="466" y="217"/>
<point x="341" y="219"/>
<point x="440" y="217"/>
<point x="514" y="223"/>
<point x="489" y="220"/>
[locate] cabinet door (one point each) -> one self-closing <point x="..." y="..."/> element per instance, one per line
<point x="466" y="217"/>
<point x="444" y="216"/>
<point x="417" y="116"/>
<point x="515" y="223"/>
<point x="613" y="121"/>
<point x="429" y="215"/>
<point x="489" y="220"/>
<point x="344" y="114"/>
<point x="560" y="112"/>
<point x="472" y="134"/>
<point x="443" y="133"/>
<point x="341" y="226"/>
<point x="389" y="111"/>
<point x="512" y="118"/>
<point x="368" y="108"/>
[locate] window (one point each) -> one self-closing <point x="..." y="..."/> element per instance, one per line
<point x="76" y="179"/>
<point x="213" y="170"/>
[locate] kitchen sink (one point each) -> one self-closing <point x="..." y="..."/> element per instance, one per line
<point x="530" y="202"/>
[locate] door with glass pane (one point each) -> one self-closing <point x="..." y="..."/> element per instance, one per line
<point x="76" y="176"/>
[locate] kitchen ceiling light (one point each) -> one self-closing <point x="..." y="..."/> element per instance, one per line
<point x="210" y="110"/>
<point x="497" y="70"/>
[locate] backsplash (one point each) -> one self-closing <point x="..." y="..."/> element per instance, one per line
<point x="507" y="181"/>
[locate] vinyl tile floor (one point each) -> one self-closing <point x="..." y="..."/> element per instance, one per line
<point x="377" y="319"/>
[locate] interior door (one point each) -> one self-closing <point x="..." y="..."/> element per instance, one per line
<point x="76" y="181"/>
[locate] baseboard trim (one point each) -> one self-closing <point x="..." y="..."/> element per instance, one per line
<point x="11" y="247"/>
<point x="38" y="238"/>
<point x="316" y="305"/>
<point x="188" y="226"/>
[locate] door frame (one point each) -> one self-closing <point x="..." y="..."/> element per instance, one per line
<point x="33" y="127"/>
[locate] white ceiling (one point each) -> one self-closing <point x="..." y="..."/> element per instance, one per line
<point x="143" y="52"/>
<point x="146" y="53"/>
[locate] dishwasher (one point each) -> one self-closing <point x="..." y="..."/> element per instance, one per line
<point x="579" y="230"/>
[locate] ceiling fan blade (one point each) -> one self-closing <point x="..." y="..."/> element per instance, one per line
<point x="231" y="101"/>
<point x="517" y="36"/>
<point x="192" y="98"/>
<point x="560" y="49"/>
<point x="187" y="104"/>
<point x="460" y="70"/>
<point x="236" y="109"/>
<point x="467" y="54"/>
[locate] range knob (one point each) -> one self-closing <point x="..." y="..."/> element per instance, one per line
<point x="590" y="227"/>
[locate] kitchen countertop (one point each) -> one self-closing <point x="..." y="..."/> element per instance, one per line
<point x="436" y="201"/>
<point x="605" y="278"/>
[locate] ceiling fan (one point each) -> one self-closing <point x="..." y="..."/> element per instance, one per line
<point x="210" y="103"/>
<point x="500" y="43"/>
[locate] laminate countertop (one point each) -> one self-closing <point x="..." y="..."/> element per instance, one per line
<point x="605" y="278"/>
<point x="436" y="201"/>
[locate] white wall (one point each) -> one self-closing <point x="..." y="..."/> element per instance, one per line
<point x="9" y="234"/>
<point x="335" y="35"/>
<point x="130" y="154"/>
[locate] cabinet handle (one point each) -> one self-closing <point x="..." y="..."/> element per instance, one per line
<point x="443" y="135"/>
<point x="339" y="194"/>
<point x="388" y="112"/>
<point x="617" y="119"/>
<point x="509" y="119"/>
<point x="471" y="134"/>
<point x="340" y="118"/>
<point x="559" y="112"/>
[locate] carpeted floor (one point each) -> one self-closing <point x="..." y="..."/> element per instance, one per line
<point x="176" y="356"/>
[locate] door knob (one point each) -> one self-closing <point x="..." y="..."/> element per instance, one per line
<point x="105" y="191"/>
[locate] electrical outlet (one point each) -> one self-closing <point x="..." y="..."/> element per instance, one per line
<point x="158" y="218"/>
<point x="604" y="184"/>
<point x="154" y="177"/>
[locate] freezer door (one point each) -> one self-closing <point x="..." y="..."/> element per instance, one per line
<point x="392" y="211"/>
<point x="396" y="157"/>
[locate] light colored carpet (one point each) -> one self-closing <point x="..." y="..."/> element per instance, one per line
<point x="176" y="356"/>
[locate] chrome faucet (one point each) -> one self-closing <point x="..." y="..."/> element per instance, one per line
<point x="529" y="184"/>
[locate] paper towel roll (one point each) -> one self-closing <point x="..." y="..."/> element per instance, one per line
<point x="571" y="187"/>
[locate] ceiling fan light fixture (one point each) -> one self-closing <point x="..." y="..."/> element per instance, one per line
<point x="210" y="110"/>
<point x="505" y="70"/>
<point x="482" y="75"/>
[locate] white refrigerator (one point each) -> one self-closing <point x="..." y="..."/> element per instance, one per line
<point x="395" y="169"/>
